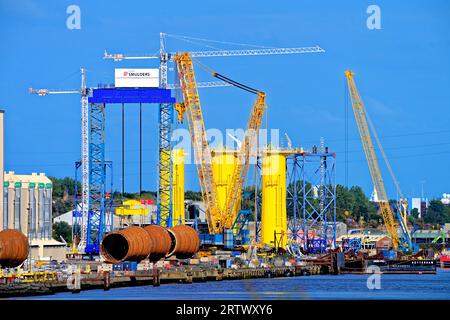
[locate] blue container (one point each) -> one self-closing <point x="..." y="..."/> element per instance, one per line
<point x="208" y="239"/>
<point x="389" y="254"/>
<point x="117" y="267"/>
<point x="229" y="239"/>
<point x="129" y="266"/>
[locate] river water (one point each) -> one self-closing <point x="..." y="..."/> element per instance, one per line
<point x="346" y="287"/>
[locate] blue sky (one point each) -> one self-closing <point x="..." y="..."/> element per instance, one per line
<point x="402" y="72"/>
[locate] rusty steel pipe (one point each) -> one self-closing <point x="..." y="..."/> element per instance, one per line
<point x="130" y="244"/>
<point x="185" y="242"/>
<point x="162" y="242"/>
<point x="153" y="242"/>
<point x="14" y="248"/>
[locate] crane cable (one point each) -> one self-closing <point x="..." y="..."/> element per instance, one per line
<point x="383" y="153"/>
<point x="186" y="38"/>
<point x="226" y="79"/>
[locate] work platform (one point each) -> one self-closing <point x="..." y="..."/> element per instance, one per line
<point x="131" y="95"/>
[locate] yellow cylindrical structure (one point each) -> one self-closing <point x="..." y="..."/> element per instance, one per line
<point x="224" y="163"/>
<point x="273" y="217"/>
<point x="178" y="212"/>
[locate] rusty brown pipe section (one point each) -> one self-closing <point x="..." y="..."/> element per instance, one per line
<point x="130" y="244"/>
<point x="185" y="242"/>
<point x="153" y="242"/>
<point x="162" y="242"/>
<point x="14" y="248"/>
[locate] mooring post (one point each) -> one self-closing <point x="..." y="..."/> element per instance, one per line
<point x="156" y="279"/>
<point x="106" y="281"/>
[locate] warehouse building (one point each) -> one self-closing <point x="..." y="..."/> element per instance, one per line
<point x="27" y="206"/>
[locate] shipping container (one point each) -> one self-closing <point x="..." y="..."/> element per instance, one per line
<point x="117" y="267"/>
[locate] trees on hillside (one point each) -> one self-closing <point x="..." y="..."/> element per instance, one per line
<point x="437" y="213"/>
<point x="62" y="229"/>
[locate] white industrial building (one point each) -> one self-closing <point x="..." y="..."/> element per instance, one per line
<point x="26" y="205"/>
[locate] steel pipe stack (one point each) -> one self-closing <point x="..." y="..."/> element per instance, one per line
<point x="14" y="248"/>
<point x="153" y="242"/>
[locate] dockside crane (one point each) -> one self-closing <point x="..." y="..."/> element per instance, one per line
<point x="364" y="127"/>
<point x="218" y="218"/>
<point x="83" y="91"/>
<point x="164" y="57"/>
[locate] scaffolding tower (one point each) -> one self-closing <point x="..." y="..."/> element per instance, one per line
<point x="101" y="212"/>
<point x="311" y="197"/>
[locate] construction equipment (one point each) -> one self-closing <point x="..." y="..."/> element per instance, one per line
<point x="363" y="123"/>
<point x="218" y="218"/>
<point x="441" y="236"/>
<point x="164" y="57"/>
<point x="83" y="92"/>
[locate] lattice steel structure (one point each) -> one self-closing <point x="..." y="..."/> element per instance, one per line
<point x="97" y="169"/>
<point x="164" y="216"/>
<point x="101" y="220"/>
<point x="311" y="197"/>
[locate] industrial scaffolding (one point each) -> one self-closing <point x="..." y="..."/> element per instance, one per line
<point x="99" y="217"/>
<point x="101" y="212"/>
<point x="311" y="200"/>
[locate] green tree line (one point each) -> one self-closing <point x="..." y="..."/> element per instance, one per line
<point x="351" y="203"/>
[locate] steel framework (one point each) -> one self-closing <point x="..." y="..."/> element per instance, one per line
<point x="97" y="173"/>
<point x="84" y="93"/>
<point x="164" y="213"/>
<point x="311" y="197"/>
<point x="95" y="231"/>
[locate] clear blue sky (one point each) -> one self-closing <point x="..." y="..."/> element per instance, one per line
<point x="402" y="72"/>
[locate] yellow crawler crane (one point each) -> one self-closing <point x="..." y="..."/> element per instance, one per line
<point x="363" y="128"/>
<point x="218" y="218"/>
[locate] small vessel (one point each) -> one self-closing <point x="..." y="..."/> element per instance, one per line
<point x="423" y="266"/>
<point x="444" y="260"/>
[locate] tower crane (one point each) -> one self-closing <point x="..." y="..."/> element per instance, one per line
<point x="164" y="57"/>
<point x="363" y="122"/>
<point x="83" y="91"/>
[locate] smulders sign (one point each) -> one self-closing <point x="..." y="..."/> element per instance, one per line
<point x="137" y="78"/>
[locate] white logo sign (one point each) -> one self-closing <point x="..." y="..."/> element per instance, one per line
<point x="137" y="78"/>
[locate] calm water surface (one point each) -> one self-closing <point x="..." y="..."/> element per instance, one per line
<point x="309" y="287"/>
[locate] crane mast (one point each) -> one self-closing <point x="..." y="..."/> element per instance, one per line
<point x="199" y="140"/>
<point x="249" y="143"/>
<point x="84" y="162"/>
<point x="84" y="93"/>
<point x="363" y="129"/>
<point x="218" y="218"/>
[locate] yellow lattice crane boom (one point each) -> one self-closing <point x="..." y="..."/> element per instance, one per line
<point x="217" y="217"/>
<point x="363" y="128"/>
<point x="199" y="140"/>
<point x="249" y="144"/>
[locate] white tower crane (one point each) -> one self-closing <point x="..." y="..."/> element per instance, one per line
<point x="83" y="92"/>
<point x="165" y="57"/>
